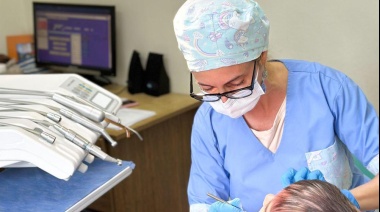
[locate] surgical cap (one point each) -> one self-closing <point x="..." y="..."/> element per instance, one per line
<point x="217" y="33"/>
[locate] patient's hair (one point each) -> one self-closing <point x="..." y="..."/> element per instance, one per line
<point x="311" y="196"/>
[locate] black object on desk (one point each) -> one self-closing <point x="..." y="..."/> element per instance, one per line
<point x="157" y="81"/>
<point x="136" y="75"/>
<point x="32" y="189"/>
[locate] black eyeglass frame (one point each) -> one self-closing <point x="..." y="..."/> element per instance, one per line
<point x="226" y="94"/>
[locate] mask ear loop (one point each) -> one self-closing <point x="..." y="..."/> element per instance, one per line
<point x="127" y="129"/>
<point x="264" y="76"/>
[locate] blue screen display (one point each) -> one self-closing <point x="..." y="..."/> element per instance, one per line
<point x="75" y="35"/>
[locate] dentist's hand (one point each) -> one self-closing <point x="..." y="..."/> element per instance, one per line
<point x="292" y="176"/>
<point x="350" y="197"/>
<point x="224" y="207"/>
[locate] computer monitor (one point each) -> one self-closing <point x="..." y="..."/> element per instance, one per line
<point x="75" y="38"/>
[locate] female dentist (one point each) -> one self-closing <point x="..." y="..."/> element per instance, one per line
<point x="261" y="117"/>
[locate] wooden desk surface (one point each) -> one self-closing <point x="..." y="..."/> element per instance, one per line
<point x="159" y="181"/>
<point x="166" y="106"/>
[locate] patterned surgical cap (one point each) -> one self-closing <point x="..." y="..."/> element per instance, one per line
<point x="216" y="33"/>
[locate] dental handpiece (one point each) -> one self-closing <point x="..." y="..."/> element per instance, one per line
<point x="108" y="115"/>
<point x="89" y="124"/>
<point x="84" y="144"/>
<point x="90" y="112"/>
<point x="52" y="116"/>
<point x="68" y="114"/>
<point x="16" y="101"/>
<point x="93" y="113"/>
<point x="36" y="131"/>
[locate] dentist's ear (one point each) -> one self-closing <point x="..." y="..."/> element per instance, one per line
<point x="263" y="57"/>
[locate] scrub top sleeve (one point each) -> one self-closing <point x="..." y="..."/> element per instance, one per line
<point x="207" y="174"/>
<point x="357" y="123"/>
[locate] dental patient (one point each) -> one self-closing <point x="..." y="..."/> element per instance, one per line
<point x="308" y="196"/>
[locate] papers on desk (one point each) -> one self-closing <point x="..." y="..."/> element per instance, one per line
<point x="130" y="116"/>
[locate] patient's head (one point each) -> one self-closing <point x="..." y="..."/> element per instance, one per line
<point x="309" y="196"/>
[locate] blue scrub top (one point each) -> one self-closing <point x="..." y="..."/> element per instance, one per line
<point x="327" y="118"/>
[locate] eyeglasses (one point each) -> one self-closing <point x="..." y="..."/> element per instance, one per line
<point x="234" y="94"/>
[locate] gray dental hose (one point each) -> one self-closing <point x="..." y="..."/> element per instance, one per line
<point x="66" y="133"/>
<point x="109" y="117"/>
<point x="73" y="116"/>
<point x="86" y="110"/>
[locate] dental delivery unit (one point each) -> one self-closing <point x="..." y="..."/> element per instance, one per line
<point x="52" y="121"/>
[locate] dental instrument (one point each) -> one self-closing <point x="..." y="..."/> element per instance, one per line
<point x="51" y="116"/>
<point x="36" y="131"/>
<point x="221" y="200"/>
<point x="81" y="142"/>
<point x="69" y="135"/>
<point x="107" y="119"/>
<point x="75" y="117"/>
<point x="76" y="134"/>
<point x="90" y="112"/>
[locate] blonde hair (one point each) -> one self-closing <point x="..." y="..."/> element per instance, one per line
<point x="311" y="196"/>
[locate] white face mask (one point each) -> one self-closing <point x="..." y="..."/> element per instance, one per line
<point x="235" y="108"/>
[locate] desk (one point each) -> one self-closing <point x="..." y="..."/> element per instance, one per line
<point x="159" y="181"/>
<point x="32" y="189"/>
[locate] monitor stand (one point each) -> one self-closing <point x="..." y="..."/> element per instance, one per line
<point x="99" y="80"/>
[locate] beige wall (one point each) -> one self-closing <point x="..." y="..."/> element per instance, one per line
<point x="343" y="34"/>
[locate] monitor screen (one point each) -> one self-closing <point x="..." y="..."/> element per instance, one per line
<point x="75" y="37"/>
